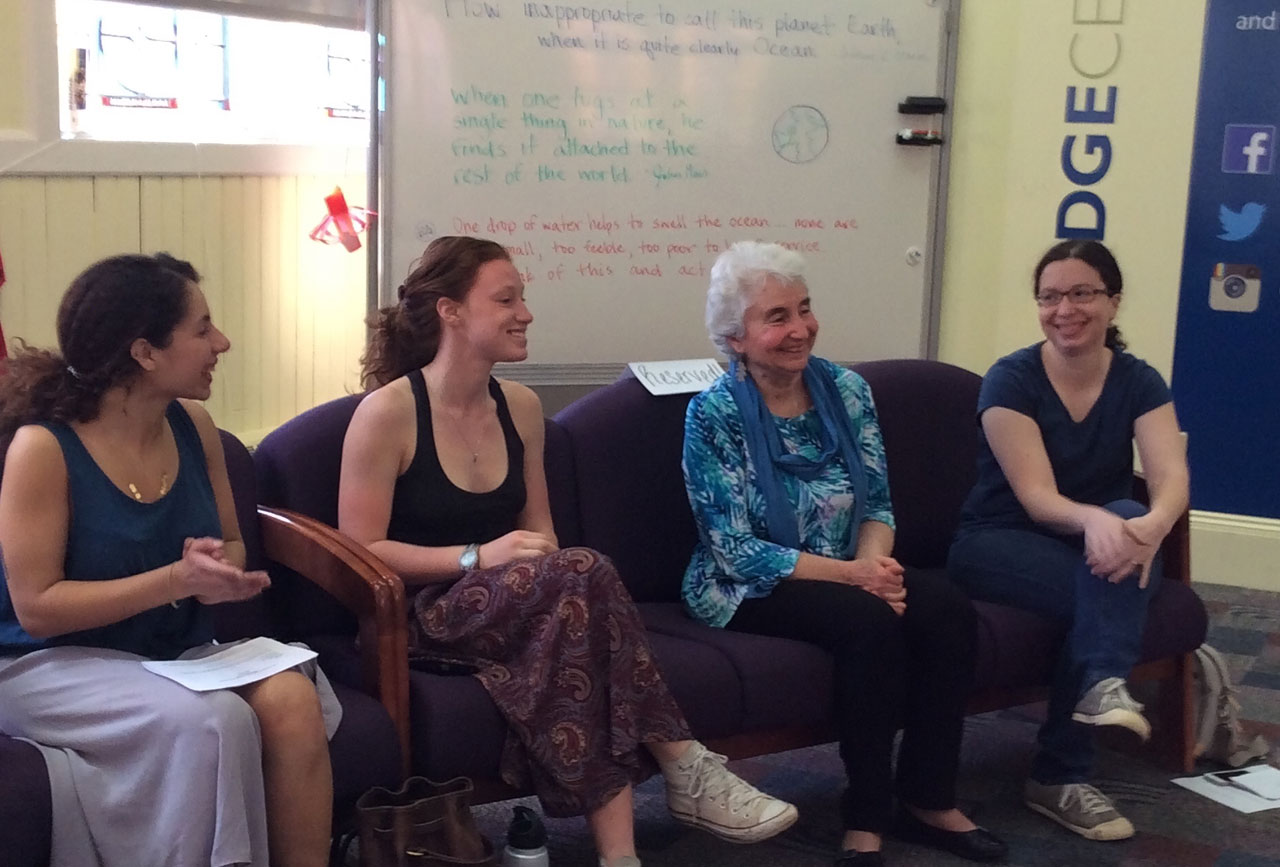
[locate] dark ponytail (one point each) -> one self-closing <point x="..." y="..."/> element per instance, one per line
<point x="406" y="335"/>
<point x="1115" y="340"/>
<point x="1096" y="255"/>
<point x="109" y="306"/>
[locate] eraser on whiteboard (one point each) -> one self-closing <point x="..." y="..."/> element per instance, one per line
<point x="922" y="105"/>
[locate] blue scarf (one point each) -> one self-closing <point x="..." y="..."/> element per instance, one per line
<point x="771" y="460"/>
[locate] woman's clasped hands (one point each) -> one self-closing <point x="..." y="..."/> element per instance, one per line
<point x="205" y="573"/>
<point x="1115" y="548"/>
<point x="880" y="576"/>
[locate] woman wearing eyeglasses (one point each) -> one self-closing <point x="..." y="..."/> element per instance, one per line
<point x="1050" y="526"/>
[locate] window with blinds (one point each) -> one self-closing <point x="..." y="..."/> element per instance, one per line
<point x="142" y="72"/>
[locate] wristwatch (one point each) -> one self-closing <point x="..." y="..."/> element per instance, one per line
<point x="470" y="557"/>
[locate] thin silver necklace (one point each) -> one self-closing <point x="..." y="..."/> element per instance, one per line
<point x="457" y="426"/>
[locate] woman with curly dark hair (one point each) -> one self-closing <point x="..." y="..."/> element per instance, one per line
<point x="118" y="533"/>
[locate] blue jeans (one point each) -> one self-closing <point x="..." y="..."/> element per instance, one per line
<point x="1047" y="575"/>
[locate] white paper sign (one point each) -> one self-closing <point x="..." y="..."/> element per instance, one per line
<point x="235" y="665"/>
<point x="677" y="377"/>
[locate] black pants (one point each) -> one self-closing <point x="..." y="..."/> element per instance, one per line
<point x="913" y="672"/>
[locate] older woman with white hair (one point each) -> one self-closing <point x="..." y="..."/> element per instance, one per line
<point x="785" y="470"/>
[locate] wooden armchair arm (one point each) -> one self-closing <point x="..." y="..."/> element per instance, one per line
<point x="1176" y="547"/>
<point x="366" y="587"/>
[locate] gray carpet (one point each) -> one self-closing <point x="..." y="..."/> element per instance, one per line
<point x="1175" y="827"/>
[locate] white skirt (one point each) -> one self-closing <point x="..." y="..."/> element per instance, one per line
<point x="143" y="772"/>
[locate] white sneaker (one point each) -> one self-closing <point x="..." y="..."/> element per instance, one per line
<point x="1108" y="703"/>
<point x="703" y="793"/>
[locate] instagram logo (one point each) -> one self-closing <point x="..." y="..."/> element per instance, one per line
<point x="1248" y="148"/>
<point x="1235" y="288"/>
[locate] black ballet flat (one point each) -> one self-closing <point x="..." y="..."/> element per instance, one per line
<point x="854" y="858"/>
<point x="976" y="845"/>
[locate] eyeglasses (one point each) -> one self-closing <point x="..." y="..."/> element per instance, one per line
<point x="1078" y="294"/>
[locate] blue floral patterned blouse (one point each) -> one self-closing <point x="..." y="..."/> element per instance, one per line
<point x="734" y="559"/>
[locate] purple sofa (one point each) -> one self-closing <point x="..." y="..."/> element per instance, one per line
<point x="365" y="750"/>
<point x="613" y="468"/>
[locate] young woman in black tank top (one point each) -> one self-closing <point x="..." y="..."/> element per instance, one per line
<point x="442" y="477"/>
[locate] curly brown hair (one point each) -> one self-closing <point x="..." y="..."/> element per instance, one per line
<point x="109" y="306"/>
<point x="406" y="335"/>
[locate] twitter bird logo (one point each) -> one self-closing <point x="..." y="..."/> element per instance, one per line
<point x="1238" y="225"/>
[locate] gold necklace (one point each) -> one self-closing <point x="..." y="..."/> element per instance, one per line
<point x="164" y="488"/>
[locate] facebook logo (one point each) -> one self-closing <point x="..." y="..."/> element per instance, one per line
<point x="1247" y="149"/>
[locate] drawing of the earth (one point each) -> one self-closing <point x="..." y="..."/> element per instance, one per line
<point x="800" y="134"/>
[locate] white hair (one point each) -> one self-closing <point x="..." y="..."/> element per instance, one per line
<point x="737" y="275"/>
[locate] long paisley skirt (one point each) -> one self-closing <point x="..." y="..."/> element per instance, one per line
<point x="561" y="649"/>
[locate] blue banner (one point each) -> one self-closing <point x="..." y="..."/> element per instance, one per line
<point x="1226" y="365"/>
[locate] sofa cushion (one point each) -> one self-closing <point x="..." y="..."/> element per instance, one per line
<point x="562" y="488"/>
<point x="363" y="750"/>
<point x="627" y="446"/>
<point x="927" y="417"/>
<point x="25" y="805"/>
<point x="235" y="620"/>
<point x="783" y="683"/>
<point x="298" y="465"/>
<point x="703" y="681"/>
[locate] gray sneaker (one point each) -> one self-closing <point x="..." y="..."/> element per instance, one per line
<point x="1108" y="703"/>
<point x="624" y="861"/>
<point x="1078" y="807"/>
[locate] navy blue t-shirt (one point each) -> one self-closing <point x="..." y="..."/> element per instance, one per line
<point x="1092" y="459"/>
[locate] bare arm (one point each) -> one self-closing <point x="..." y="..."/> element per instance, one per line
<point x="34" y="516"/>
<point x="875" y="539"/>
<point x="1019" y="449"/>
<point x="1163" y="452"/>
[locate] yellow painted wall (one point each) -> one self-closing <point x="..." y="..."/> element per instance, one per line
<point x="293" y="308"/>
<point x="1006" y="182"/>
<point x="13" y="65"/>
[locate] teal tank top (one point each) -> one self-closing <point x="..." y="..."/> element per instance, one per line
<point x="112" y="535"/>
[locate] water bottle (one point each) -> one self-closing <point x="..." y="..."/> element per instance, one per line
<point x="526" y="841"/>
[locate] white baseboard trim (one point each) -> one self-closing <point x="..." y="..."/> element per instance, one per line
<point x="1235" y="549"/>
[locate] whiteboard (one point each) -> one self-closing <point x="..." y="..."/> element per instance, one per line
<point x="616" y="148"/>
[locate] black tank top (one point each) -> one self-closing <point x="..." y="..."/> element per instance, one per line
<point x="428" y="509"/>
